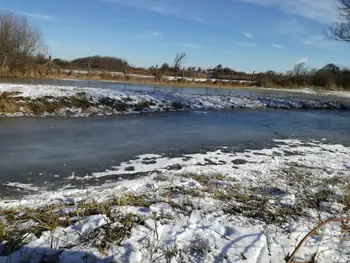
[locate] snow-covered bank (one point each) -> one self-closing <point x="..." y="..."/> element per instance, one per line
<point x="57" y="100"/>
<point x="218" y="206"/>
<point x="336" y="93"/>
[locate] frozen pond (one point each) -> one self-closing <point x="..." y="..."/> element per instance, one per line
<point x="46" y="150"/>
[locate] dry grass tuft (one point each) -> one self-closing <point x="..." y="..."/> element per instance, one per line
<point x="347" y="196"/>
<point x="12" y="239"/>
<point x="112" y="234"/>
<point x="17" y="225"/>
<point x="142" y="105"/>
<point x="173" y="192"/>
<point x="8" y="104"/>
<point x="220" y="177"/>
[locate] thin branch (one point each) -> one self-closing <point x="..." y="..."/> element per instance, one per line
<point x="290" y="260"/>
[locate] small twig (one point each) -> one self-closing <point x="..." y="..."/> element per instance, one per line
<point x="219" y="233"/>
<point x="290" y="260"/>
<point x="157" y="258"/>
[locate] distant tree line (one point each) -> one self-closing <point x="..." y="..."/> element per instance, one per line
<point x="330" y="76"/>
<point x="95" y="62"/>
<point x="221" y="72"/>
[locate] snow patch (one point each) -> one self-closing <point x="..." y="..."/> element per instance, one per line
<point x="17" y="185"/>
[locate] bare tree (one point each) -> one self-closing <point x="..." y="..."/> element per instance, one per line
<point x="341" y="29"/>
<point x="178" y="62"/>
<point x="18" y="40"/>
<point x="299" y="69"/>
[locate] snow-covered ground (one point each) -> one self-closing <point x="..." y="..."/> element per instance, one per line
<point x="113" y="101"/>
<point x="219" y="206"/>
<point x="337" y="93"/>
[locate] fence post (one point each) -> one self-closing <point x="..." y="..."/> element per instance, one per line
<point x="253" y="77"/>
<point x="50" y="61"/>
<point x="156" y="73"/>
<point x="232" y="76"/>
<point x="183" y="74"/>
<point x="125" y="71"/>
<point x="89" y="66"/>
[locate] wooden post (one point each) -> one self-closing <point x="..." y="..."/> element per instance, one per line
<point x="49" y="64"/>
<point x="156" y="73"/>
<point x="89" y="66"/>
<point x="125" y="70"/>
<point x="50" y="58"/>
<point x="253" y="77"/>
<point x="232" y="76"/>
<point x="183" y="74"/>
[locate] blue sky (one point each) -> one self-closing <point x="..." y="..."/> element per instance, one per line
<point x="247" y="35"/>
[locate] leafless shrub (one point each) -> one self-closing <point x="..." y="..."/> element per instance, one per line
<point x="341" y="29"/>
<point x="19" y="40"/>
<point x="178" y="62"/>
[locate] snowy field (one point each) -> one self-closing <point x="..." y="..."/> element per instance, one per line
<point x="74" y="101"/>
<point x="219" y="206"/>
